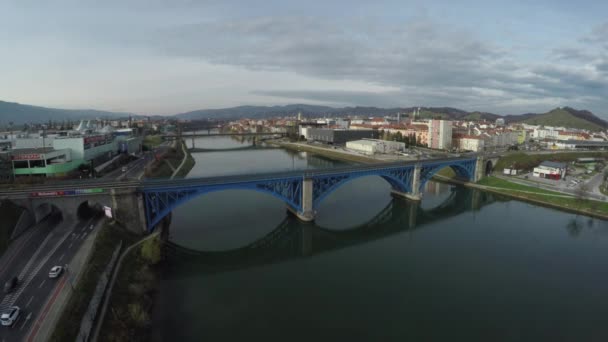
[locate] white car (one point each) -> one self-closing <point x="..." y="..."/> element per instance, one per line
<point x="55" y="271"/>
<point x="10" y="316"/>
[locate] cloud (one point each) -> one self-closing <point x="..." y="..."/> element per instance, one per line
<point x="276" y="52"/>
<point x="426" y="61"/>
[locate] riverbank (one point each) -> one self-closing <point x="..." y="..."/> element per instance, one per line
<point x="544" y="198"/>
<point x="133" y="294"/>
<point x="176" y="163"/>
<point x="326" y="152"/>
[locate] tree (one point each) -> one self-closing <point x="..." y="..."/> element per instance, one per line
<point x="151" y="250"/>
<point x="398" y="136"/>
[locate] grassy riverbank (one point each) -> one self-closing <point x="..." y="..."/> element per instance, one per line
<point x="130" y="308"/>
<point x="165" y="166"/>
<point x="106" y="241"/>
<point x="540" y="196"/>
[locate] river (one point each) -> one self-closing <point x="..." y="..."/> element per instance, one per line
<point x="460" y="266"/>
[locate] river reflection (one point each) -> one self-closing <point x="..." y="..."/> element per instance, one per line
<point x="293" y="239"/>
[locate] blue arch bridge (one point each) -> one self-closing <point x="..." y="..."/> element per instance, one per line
<point x="303" y="191"/>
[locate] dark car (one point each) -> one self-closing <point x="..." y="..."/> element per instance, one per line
<point x="10" y="285"/>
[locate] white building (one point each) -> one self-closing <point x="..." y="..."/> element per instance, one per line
<point x="373" y="146"/>
<point x="469" y="143"/>
<point x="440" y="134"/>
<point x="549" y="169"/>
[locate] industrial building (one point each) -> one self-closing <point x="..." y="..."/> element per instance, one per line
<point x="551" y="170"/>
<point x="59" y="155"/>
<point x="373" y="146"/>
<point x="339" y="136"/>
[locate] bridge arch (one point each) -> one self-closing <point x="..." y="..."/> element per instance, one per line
<point x="160" y="202"/>
<point x="464" y="169"/>
<point x="324" y="186"/>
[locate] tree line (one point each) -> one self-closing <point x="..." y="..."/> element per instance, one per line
<point x="409" y="139"/>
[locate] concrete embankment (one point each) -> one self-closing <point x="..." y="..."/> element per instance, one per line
<point x="333" y="154"/>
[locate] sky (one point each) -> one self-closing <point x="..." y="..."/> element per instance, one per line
<point x="167" y="57"/>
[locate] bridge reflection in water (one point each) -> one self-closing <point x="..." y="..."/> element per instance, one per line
<point x="292" y="239"/>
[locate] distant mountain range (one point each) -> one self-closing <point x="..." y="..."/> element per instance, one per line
<point x="564" y="116"/>
<point x="20" y="114"/>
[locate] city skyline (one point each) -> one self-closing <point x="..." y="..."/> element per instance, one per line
<point x="164" y="58"/>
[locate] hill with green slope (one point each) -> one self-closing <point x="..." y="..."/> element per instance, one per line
<point x="568" y="117"/>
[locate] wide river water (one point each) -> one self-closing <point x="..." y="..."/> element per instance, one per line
<point x="460" y="266"/>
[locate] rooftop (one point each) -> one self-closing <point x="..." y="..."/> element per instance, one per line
<point x="33" y="150"/>
<point x="553" y="164"/>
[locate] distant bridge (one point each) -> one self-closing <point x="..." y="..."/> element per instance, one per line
<point x="202" y="135"/>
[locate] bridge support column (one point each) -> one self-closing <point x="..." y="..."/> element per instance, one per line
<point x="307" y="214"/>
<point x="480" y="169"/>
<point x="415" y="193"/>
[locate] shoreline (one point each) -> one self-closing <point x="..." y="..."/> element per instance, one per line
<point x="520" y="197"/>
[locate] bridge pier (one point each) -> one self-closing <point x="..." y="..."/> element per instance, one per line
<point x="414" y="195"/>
<point x="480" y="169"/>
<point x="307" y="214"/>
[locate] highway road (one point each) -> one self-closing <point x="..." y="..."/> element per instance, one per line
<point x="135" y="169"/>
<point x="49" y="243"/>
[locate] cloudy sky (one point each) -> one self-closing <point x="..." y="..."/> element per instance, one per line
<point x="163" y="57"/>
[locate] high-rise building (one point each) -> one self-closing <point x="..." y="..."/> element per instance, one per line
<point x="440" y="134"/>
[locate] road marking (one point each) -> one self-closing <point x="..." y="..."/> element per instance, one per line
<point x="45" y="310"/>
<point x="34" y="272"/>
<point x="25" y="322"/>
<point x="61" y="257"/>
<point x="70" y="246"/>
<point x="84" y="235"/>
<point x="42" y="284"/>
<point x="29" y="301"/>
